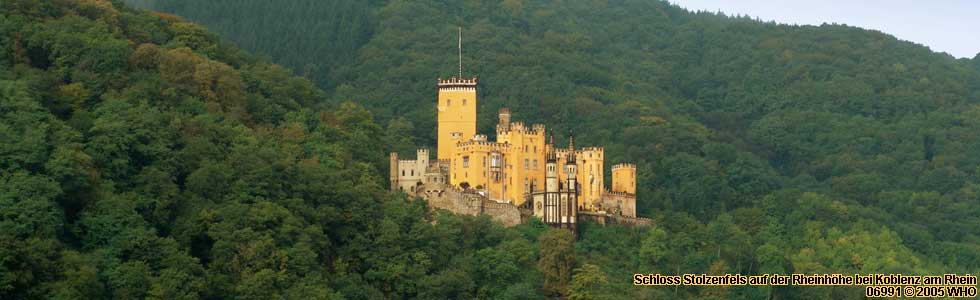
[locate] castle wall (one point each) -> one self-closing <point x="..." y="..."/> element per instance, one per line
<point x="621" y="204"/>
<point x="463" y="203"/>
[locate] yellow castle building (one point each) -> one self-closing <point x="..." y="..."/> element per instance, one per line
<point x="523" y="167"/>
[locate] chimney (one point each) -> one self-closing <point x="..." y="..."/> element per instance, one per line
<point x="503" y="121"/>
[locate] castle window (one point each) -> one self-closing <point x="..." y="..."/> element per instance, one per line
<point x="413" y="172"/>
<point x="525" y="148"/>
<point x="526" y="164"/>
<point x="466" y="161"/>
<point x="535" y="164"/>
<point x="464" y="102"/>
<point x="449" y="102"/>
<point x="403" y="172"/>
<point x="535" y="149"/>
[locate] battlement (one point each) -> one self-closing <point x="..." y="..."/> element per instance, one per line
<point x="591" y="149"/>
<point x="563" y="151"/>
<point x="520" y="127"/>
<point x="607" y="192"/>
<point x="482" y="143"/>
<point x="456" y="83"/>
<point x="624" y="166"/>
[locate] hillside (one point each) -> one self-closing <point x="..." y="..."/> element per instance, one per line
<point x="142" y="159"/>
<point x="142" y="156"/>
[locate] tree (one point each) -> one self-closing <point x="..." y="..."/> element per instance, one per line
<point x="654" y="247"/>
<point x="556" y="260"/>
<point x="587" y="280"/>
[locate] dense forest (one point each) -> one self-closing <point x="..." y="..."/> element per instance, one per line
<point x="145" y="157"/>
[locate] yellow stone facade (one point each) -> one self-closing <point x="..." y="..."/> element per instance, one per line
<point x="513" y="169"/>
<point x="457" y="114"/>
<point x="624" y="178"/>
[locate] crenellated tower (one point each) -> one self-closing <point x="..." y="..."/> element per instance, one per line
<point x="457" y="114"/>
<point x="624" y="178"/>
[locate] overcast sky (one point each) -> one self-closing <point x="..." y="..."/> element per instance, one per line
<point x="951" y="26"/>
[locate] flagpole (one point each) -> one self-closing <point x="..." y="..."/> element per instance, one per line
<point x="460" y="47"/>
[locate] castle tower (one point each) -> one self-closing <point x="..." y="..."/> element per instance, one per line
<point x="624" y="178"/>
<point x="422" y="158"/>
<point x="590" y="177"/>
<point x="571" y="170"/>
<point x="569" y="197"/>
<point x="551" y="173"/>
<point x="457" y="113"/>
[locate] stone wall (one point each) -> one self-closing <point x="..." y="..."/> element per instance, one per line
<point x="464" y="203"/>
<point x="606" y="218"/>
<point x="474" y="204"/>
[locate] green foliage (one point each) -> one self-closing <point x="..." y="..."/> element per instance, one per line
<point x="585" y="280"/>
<point x="557" y="259"/>
<point x="143" y="157"/>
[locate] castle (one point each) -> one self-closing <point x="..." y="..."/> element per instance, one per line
<point x="523" y="169"/>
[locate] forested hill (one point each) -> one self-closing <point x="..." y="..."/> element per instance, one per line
<point x="144" y="157"/>
<point x="717" y="110"/>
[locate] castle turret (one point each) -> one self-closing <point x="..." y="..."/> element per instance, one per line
<point x="569" y="197"/>
<point x="551" y="173"/>
<point x="624" y="178"/>
<point x="571" y="170"/>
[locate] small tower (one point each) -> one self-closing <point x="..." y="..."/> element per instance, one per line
<point x="422" y="158"/>
<point x="571" y="170"/>
<point x="551" y="173"/>
<point x="624" y="178"/>
<point x="569" y="197"/>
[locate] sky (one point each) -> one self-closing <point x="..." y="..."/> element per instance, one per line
<point x="951" y="26"/>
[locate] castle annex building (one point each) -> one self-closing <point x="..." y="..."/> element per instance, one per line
<point x="523" y="169"/>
